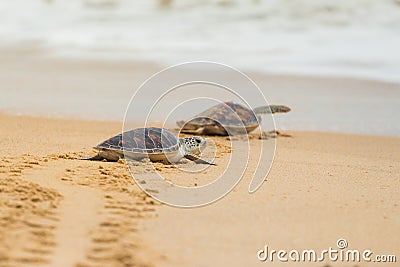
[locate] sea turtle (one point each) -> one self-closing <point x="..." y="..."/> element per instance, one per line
<point x="157" y="144"/>
<point x="228" y="119"/>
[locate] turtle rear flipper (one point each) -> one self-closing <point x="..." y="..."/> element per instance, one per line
<point x="97" y="157"/>
<point x="271" y="109"/>
<point x="105" y="155"/>
<point x="197" y="159"/>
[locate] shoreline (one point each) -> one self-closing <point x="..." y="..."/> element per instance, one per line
<point x="156" y="124"/>
<point x="38" y="51"/>
<point x="126" y="55"/>
<point x="321" y="187"/>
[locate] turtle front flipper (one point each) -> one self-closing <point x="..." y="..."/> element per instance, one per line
<point x="197" y="159"/>
<point x="271" y="109"/>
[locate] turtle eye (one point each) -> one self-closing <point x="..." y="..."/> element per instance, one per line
<point x="198" y="141"/>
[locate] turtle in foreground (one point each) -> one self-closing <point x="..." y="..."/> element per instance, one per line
<point x="228" y="119"/>
<point x="157" y="144"/>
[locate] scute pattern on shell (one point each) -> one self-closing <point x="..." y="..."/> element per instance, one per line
<point x="227" y="113"/>
<point x="143" y="140"/>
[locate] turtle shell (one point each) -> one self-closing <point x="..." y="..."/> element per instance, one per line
<point x="143" y="140"/>
<point x="226" y="114"/>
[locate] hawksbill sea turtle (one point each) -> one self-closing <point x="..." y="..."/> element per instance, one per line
<point x="157" y="144"/>
<point x="228" y="119"/>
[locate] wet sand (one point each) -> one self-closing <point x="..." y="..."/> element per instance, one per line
<point x="59" y="211"/>
<point x="35" y="82"/>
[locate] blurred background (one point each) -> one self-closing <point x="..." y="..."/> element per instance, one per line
<point x="336" y="63"/>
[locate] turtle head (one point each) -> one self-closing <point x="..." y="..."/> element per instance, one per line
<point x="193" y="145"/>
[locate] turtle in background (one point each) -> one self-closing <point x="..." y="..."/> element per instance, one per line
<point x="228" y="119"/>
<point x="157" y="144"/>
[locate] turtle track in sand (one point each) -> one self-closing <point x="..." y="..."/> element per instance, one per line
<point x="28" y="215"/>
<point x="47" y="203"/>
<point x="115" y="240"/>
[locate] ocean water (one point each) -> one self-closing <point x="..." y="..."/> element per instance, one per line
<point x="357" y="38"/>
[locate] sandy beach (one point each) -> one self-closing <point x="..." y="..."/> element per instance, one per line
<point x="76" y="73"/>
<point x="60" y="211"/>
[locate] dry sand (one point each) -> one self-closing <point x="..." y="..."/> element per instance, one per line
<point x="59" y="211"/>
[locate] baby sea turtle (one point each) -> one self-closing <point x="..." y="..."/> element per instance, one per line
<point x="228" y="119"/>
<point x="157" y="144"/>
